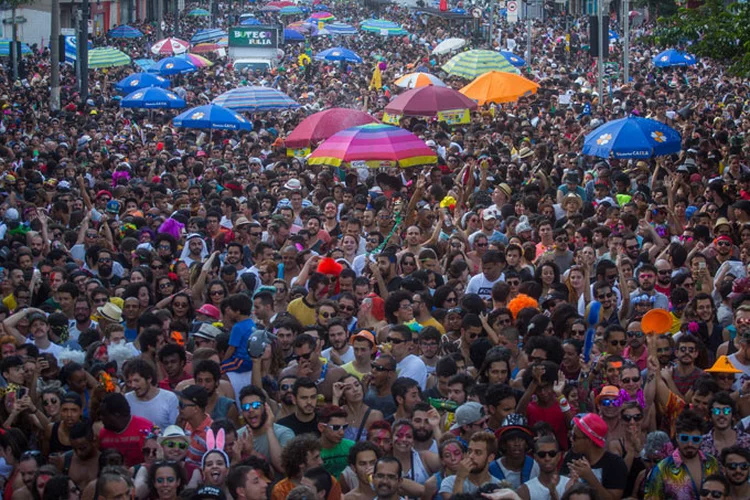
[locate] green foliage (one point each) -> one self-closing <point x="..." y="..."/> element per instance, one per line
<point x="657" y="7"/>
<point x="715" y="30"/>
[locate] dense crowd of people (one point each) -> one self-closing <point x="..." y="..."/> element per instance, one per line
<point x="197" y="315"/>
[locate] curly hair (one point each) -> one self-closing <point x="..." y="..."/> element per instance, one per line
<point x="521" y="301"/>
<point x="294" y="454"/>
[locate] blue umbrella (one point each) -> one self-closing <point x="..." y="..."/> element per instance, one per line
<point x="211" y="116"/>
<point x="632" y="137"/>
<point x="172" y="66"/>
<point x="293" y="36"/>
<point x="153" y="98"/>
<point x="255" y="99"/>
<point x="250" y="21"/>
<point x="138" y="81"/>
<point x="338" y="28"/>
<point x="673" y="57"/>
<point x="320" y="7"/>
<point x="5" y="48"/>
<point x="125" y="31"/>
<point x="513" y="59"/>
<point x="338" y="54"/>
<point x="207" y="35"/>
<point x="145" y="63"/>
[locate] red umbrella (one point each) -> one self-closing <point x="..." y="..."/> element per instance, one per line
<point x="428" y="101"/>
<point x="320" y="126"/>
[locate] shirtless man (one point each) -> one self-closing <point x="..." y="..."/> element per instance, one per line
<point x="225" y="387"/>
<point x="365" y="455"/>
<point x="83" y="461"/>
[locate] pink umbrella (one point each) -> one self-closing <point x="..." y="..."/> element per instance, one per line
<point x="428" y="101"/>
<point x="321" y="126"/>
<point x="281" y="3"/>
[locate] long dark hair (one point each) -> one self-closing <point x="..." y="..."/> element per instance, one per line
<point x="179" y="472"/>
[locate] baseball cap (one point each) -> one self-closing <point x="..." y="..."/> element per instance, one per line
<point x="37" y="316"/>
<point x="208" y="492"/>
<point x="363" y="335"/>
<point x="210" y="311"/>
<point x="488" y="214"/>
<point x="207" y="331"/>
<point x="468" y="413"/>
<point x="514" y="425"/>
<point x="195" y="394"/>
<point x="593" y="426"/>
<point x="72" y="398"/>
<point x="258" y="341"/>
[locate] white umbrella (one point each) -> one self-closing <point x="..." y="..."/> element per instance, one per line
<point x="449" y="45"/>
<point x="170" y="46"/>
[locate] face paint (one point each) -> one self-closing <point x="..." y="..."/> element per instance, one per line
<point x="404" y="433"/>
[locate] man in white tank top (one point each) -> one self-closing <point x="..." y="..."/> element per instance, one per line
<point x="547" y="455"/>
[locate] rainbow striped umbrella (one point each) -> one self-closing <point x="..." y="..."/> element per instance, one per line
<point x="255" y="99"/>
<point x="203" y="48"/>
<point x="475" y="63"/>
<point x="382" y="27"/>
<point x="198" y="61"/>
<point x="321" y="16"/>
<point x="373" y="146"/>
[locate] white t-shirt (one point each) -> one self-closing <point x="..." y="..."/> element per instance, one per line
<point x="514" y="477"/>
<point x="480" y="285"/>
<point x="53" y="349"/>
<point x="447" y="485"/>
<point x="346" y="357"/>
<point x="162" y="410"/>
<point x="413" y="367"/>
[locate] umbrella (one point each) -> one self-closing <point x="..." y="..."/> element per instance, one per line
<point x="448" y="45"/>
<point x="293" y="36"/>
<point x="429" y="101"/>
<point x="211" y="116"/>
<point x="170" y="46"/>
<point x="338" y="28"/>
<point x="172" y="66"/>
<point x="270" y="8"/>
<point x="338" y="54"/>
<point x="414" y="80"/>
<point x="199" y="12"/>
<point x="153" y="98"/>
<point x="499" y="87"/>
<point x="145" y="64"/>
<point x="125" y="31"/>
<point x="280" y="4"/>
<point x="320" y="126"/>
<point x="513" y="59"/>
<point x="321" y="16"/>
<point x="291" y="10"/>
<point x="374" y="145"/>
<point x="321" y="32"/>
<point x="474" y="63"/>
<point x="632" y="137"/>
<point x="320" y="7"/>
<point x="107" y="57"/>
<point x="382" y="27"/>
<point x="198" y="61"/>
<point x="208" y="35"/>
<point x="138" y="81"/>
<point x="203" y="48"/>
<point x="5" y="48"/>
<point x="673" y="57"/>
<point x="250" y="21"/>
<point x="254" y="99"/>
<point x="301" y="26"/>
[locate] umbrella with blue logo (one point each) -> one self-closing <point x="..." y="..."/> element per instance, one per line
<point x="153" y="98"/>
<point x="145" y="63"/>
<point x="138" y="81"/>
<point x="211" y="116"/>
<point x="173" y="66"/>
<point x="673" y="57"/>
<point x="338" y="54"/>
<point x="613" y="36"/>
<point x="632" y="137"/>
<point x="513" y="59"/>
<point x="208" y="35"/>
<point x="125" y="31"/>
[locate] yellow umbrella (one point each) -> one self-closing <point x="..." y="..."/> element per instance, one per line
<point x="498" y="87"/>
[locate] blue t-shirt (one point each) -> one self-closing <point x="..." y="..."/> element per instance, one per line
<point x="241" y="333"/>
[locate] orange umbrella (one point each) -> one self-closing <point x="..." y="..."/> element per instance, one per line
<point x="415" y="80"/>
<point x="498" y="87"/>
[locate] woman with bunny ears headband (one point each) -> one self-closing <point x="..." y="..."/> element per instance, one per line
<point x="215" y="462"/>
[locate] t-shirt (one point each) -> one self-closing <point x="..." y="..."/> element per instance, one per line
<point x="298" y="427"/>
<point x="514" y="477"/>
<point x="610" y="470"/>
<point x="335" y="459"/>
<point x="241" y="333"/>
<point x="347" y="357"/>
<point x="260" y="443"/>
<point x="129" y="441"/>
<point x="447" y="485"/>
<point x="162" y="409"/>
<point x="304" y="312"/>
<point x="349" y="368"/>
<point x="198" y="444"/>
<point x="479" y="284"/>
<point x="385" y="404"/>
<point x="553" y="416"/>
<point x="414" y="368"/>
<point x="53" y="348"/>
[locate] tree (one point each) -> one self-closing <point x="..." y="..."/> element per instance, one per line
<point x="715" y="30"/>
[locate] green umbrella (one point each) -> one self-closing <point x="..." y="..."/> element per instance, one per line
<point x="199" y="12"/>
<point x="107" y="57"/>
<point x="475" y="63"/>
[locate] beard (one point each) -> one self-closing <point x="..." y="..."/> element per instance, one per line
<point x="288" y="399"/>
<point x="263" y="419"/>
<point x="36" y="252"/>
<point x="422" y="435"/>
<point x="105" y="270"/>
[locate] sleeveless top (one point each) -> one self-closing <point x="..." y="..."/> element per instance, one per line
<point x="538" y="491"/>
<point x="418" y="472"/>
<point x="55" y="446"/>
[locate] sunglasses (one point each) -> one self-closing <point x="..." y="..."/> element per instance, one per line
<point x="326" y="315"/>
<point x="216" y="293"/>
<point x="48" y="402"/>
<point x="605" y="296"/>
<point x="737" y="465"/>
<point x="381" y="368"/>
<point x="546" y="454"/>
<point x="394" y="341"/>
<point x="724" y="244"/>
<point x="635" y="334"/>
<point x="149" y="452"/>
<point x="705" y="492"/>
<point x="619" y="342"/>
<point x="687" y="438"/>
<point x="306" y="356"/>
<point x="684" y="349"/>
<point x="633" y="418"/>
<point x="578" y="332"/>
<point x="175" y="444"/>
<point x="610" y="402"/>
<point x="252" y="406"/>
<point x="287" y="387"/>
<point x="346" y="308"/>
<point x="628" y="380"/>
<point x="164" y="286"/>
<point x="337" y="427"/>
<point x="719" y="411"/>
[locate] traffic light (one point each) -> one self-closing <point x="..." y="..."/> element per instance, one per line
<point x="594" y="35"/>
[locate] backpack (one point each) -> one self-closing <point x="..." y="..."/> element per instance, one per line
<point x="497" y="472"/>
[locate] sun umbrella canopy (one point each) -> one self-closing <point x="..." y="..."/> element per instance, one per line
<point x="375" y="146"/>
<point x="338" y="54"/>
<point x="499" y="87"/>
<point x="474" y="63"/>
<point x="672" y="57"/>
<point x="199" y="13"/>
<point x="107" y="57"/>
<point x="414" y="80"/>
<point x="338" y="28"/>
<point x="322" y="16"/>
<point x="292" y="10"/>
<point x="198" y="61"/>
<point x="204" y="48"/>
<point x="382" y="27"/>
<point x="5" y="48"/>
<point x="280" y="4"/>
<point x="632" y="137"/>
<point x="270" y="8"/>
<point x="293" y="36"/>
<point x="153" y="98"/>
<point x="320" y="126"/>
<point x="214" y="117"/>
<point x="173" y="66"/>
<point x="320" y="7"/>
<point x="125" y="31"/>
<point x="138" y="81"/>
<point x="250" y="21"/>
<point x="145" y="64"/>
<point x="429" y="101"/>
<point x="513" y="59"/>
<point x="170" y="46"/>
<point x="208" y="35"/>
<point x="255" y="99"/>
<point x="448" y="45"/>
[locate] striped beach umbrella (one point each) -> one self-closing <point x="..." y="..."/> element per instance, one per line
<point x="198" y="61"/>
<point x="382" y="27"/>
<point x="475" y="63"/>
<point x="255" y="99"/>
<point x="107" y="57"/>
<point x="207" y="35"/>
<point x="170" y="46"/>
<point x="213" y="117"/>
<point x="337" y="28"/>
<point x="5" y="48"/>
<point x="153" y="98"/>
<point x="291" y="10"/>
<point x="373" y="146"/>
<point x="199" y="13"/>
<point x="321" y="16"/>
<point x="203" y="48"/>
<point x="125" y="31"/>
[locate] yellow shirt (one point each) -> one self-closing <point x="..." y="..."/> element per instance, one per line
<point x="301" y="310"/>
<point x="10" y="302"/>
<point x="349" y="368"/>
<point x="433" y="322"/>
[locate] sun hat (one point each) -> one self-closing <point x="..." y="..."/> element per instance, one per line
<point x="593" y="426"/>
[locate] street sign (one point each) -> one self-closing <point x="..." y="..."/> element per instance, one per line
<point x="512" y="6"/>
<point x="477" y="13"/>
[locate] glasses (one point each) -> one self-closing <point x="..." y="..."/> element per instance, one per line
<point x="381" y="368"/>
<point x="452" y="300"/>
<point x="684" y="349"/>
<point x="406" y="306"/>
<point x="737" y="465"/>
<point x="705" y="492"/>
<point x="394" y="340"/>
<point x="347" y="308"/>
<point x="48" y="402"/>
<point x="326" y="314"/>
<point x="635" y="334"/>
<point x="216" y="293"/>
<point x="633" y="418"/>
<point x="605" y="296"/>
<point x="337" y="427"/>
<point x="255" y="233"/>
<point x="162" y="480"/>
<point x="164" y="286"/>
<point x="724" y="244"/>
<point x="632" y="247"/>
<point x="578" y="331"/>
<point x="622" y="343"/>
<point x="179" y="304"/>
<point x="408" y="263"/>
<point x="481" y="245"/>
<point x="287" y="387"/>
<point x="150" y="452"/>
<point x="687" y="438"/>
<point x="175" y="444"/>
<point x="306" y="356"/>
<point x="634" y="380"/>
<point x="373" y="241"/>
<point x="610" y="402"/>
<point x="724" y="378"/>
<point x="546" y="454"/>
<point x="105" y="260"/>
<point x="91" y="235"/>
<point x="688" y="284"/>
<point x="164" y="247"/>
<point x="255" y="405"/>
<point x="719" y="411"/>
<point x="157" y="268"/>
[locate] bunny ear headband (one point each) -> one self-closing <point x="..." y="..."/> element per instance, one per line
<point x="215" y="443"/>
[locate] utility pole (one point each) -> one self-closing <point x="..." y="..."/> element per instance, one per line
<point x="82" y="55"/>
<point x="159" y="19"/>
<point x="528" y="34"/>
<point x="54" y="47"/>
<point x="626" y="42"/>
<point x="15" y="52"/>
<point x="176" y="18"/>
<point x="600" y="28"/>
<point x="491" y="25"/>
